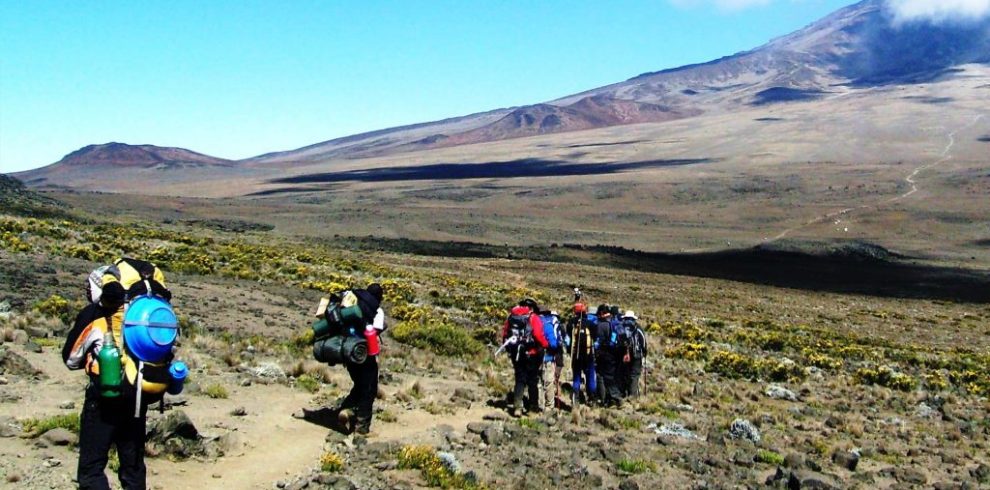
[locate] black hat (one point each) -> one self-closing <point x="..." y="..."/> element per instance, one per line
<point x="614" y="310"/>
<point x="531" y="304"/>
<point x="376" y="290"/>
<point x="602" y="310"/>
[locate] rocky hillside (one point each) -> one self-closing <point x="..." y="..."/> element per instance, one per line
<point x="16" y="199"/>
<point x="124" y="155"/>
<point x="745" y="385"/>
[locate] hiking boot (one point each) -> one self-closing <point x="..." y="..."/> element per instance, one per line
<point x="346" y="420"/>
<point x="362" y="426"/>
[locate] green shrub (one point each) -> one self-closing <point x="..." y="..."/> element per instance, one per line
<point x="769" y="457"/>
<point x="433" y="469"/>
<point x="54" y="306"/>
<point x="884" y="376"/>
<point x="35" y="427"/>
<point x="308" y="383"/>
<point x="215" y="391"/>
<point x="441" y="338"/>
<point x="635" y="466"/>
<point x="331" y="462"/>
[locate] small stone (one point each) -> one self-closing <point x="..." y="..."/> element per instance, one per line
<point x="31" y="346"/>
<point x="744" y="429"/>
<point x="981" y="473"/>
<point x="492" y="436"/>
<point x="3" y="380"/>
<point x="67" y="405"/>
<point x="52" y="463"/>
<point x="217" y="475"/>
<point x="60" y="437"/>
<point x="496" y="416"/>
<point x="628" y="485"/>
<point x="477" y="427"/>
<point x="246" y="382"/>
<point x="846" y="459"/>
<point x="912" y="476"/>
<point x="239" y="412"/>
<point x="781" y="393"/>
<point x="794" y="461"/>
<point x="810" y="480"/>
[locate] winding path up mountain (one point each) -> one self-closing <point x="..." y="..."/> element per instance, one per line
<point x="909" y="179"/>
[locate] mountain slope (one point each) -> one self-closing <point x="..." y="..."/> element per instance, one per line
<point x="857" y="46"/>
<point x="124" y="155"/>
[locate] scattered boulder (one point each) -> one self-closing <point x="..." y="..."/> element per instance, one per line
<point x="9" y="426"/>
<point x="60" y="437"/>
<point x="492" y="436"/>
<point x="175" y="435"/>
<point x="781" y="393"/>
<point x="926" y="411"/>
<point x="38" y="331"/>
<point x="67" y="405"/>
<point x="803" y="479"/>
<point x="673" y="434"/>
<point x="477" y="427"/>
<point x="846" y="459"/>
<point x="239" y="412"/>
<point x="268" y="370"/>
<point x="12" y="364"/>
<point x="981" y="473"/>
<point x="20" y="337"/>
<point x="744" y="429"/>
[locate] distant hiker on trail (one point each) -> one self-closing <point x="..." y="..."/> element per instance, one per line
<point x="348" y="333"/>
<point x="633" y="369"/>
<point x="581" y="333"/>
<point x="525" y="342"/>
<point x="610" y="349"/>
<point x="123" y="339"/>
<point x="553" y="359"/>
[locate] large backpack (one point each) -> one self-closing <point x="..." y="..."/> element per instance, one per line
<point x="637" y="339"/>
<point x="551" y="330"/>
<point x="144" y="325"/>
<point x="521" y="330"/>
<point x="582" y="338"/>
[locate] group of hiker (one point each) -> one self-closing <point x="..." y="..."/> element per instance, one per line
<point x="123" y="339"/>
<point x="606" y="350"/>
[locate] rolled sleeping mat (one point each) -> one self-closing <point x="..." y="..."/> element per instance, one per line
<point x="341" y="349"/>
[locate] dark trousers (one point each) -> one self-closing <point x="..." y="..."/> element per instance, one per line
<point x="608" y="368"/>
<point x="527" y="370"/>
<point x="634" y="370"/>
<point x="105" y="422"/>
<point x="361" y="399"/>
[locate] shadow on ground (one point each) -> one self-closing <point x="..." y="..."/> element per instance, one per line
<point x="838" y="267"/>
<point x="527" y="167"/>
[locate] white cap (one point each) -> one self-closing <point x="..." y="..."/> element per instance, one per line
<point x="630" y="314"/>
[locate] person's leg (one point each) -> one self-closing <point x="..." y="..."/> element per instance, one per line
<point x="95" y="438"/>
<point x="129" y="439"/>
<point x="533" y="381"/>
<point x="519" y="368"/>
<point x="635" y="372"/>
<point x="547" y="375"/>
<point x="351" y="401"/>
<point x="369" y="391"/>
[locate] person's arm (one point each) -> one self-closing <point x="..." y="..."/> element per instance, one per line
<point x="505" y="330"/>
<point x="82" y="339"/>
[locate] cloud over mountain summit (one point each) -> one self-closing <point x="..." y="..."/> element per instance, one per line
<point x="938" y="10"/>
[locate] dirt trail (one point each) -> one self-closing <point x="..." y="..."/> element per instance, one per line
<point x="910" y="179"/>
<point x="277" y="446"/>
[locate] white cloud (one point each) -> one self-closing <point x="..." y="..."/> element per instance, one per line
<point x="938" y="10"/>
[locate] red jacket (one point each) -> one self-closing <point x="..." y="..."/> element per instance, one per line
<point x="534" y="322"/>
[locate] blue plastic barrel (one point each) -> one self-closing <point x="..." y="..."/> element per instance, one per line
<point x="150" y="328"/>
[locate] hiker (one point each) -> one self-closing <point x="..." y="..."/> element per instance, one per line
<point x="633" y="369"/>
<point x="581" y="335"/>
<point x="357" y="407"/>
<point x="553" y="359"/>
<point x="525" y="342"/>
<point x="125" y="375"/>
<point x="610" y="352"/>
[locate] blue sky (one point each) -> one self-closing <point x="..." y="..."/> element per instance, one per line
<point x="235" y="79"/>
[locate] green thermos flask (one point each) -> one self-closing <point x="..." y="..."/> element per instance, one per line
<point x="110" y="370"/>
